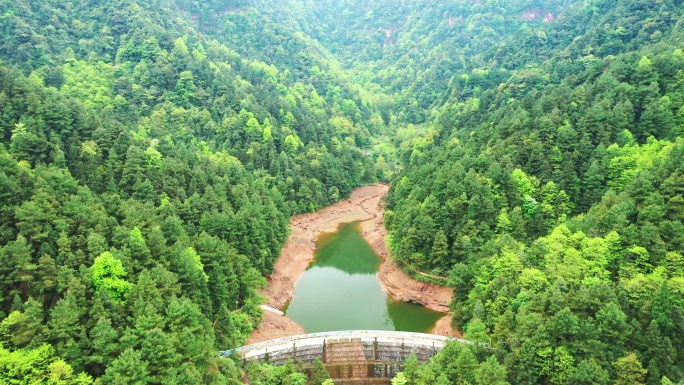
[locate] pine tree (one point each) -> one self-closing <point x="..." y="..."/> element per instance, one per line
<point x="491" y="372"/>
<point x="399" y="379"/>
<point x="439" y="256"/>
<point x="411" y="366"/>
<point x="318" y="373"/>
<point x="662" y="311"/>
<point x="104" y="345"/>
<point x="127" y="369"/>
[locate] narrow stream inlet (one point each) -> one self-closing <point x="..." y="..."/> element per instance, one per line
<point x="340" y="290"/>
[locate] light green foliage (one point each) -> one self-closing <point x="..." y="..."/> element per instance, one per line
<point x="197" y="260"/>
<point x="526" y="186"/>
<point x="154" y="157"/>
<point x="108" y="274"/>
<point x="15" y="329"/>
<point x="252" y="127"/>
<point x="503" y="221"/>
<point x="199" y="53"/>
<point x="399" y="379"/>
<point x="645" y="62"/>
<point x="35" y="79"/>
<point x="574" y="257"/>
<point x="533" y="279"/>
<point x="268" y="132"/>
<point x="128" y="368"/>
<point x="628" y="370"/>
<point x="341" y="125"/>
<point x="626" y="162"/>
<point x="292" y="142"/>
<point x="180" y="46"/>
<point x="266" y="374"/>
<point x="295" y="379"/>
<point x="40" y="365"/>
<point x="538" y="163"/>
<point x="90" y="83"/>
<point x="557" y="364"/>
<point x="268" y="72"/>
<point x="411" y="366"/>
<point x="185" y="88"/>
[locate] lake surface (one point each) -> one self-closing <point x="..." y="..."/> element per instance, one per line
<point x="340" y="290"/>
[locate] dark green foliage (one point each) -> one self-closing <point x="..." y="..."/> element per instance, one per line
<point x="554" y="189"/>
<point x="152" y="154"/>
<point x="491" y="372"/>
<point x="128" y="368"/>
<point x="147" y="176"/>
<point x="318" y="373"/>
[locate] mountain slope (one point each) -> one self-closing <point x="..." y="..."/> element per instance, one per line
<point x="153" y="152"/>
<point x="547" y="194"/>
<point x="148" y="174"/>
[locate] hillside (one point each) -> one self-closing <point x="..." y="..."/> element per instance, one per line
<point x="153" y="152"/>
<point x="148" y="176"/>
<point x="546" y="192"/>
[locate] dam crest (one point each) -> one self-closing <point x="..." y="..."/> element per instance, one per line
<point x="351" y="356"/>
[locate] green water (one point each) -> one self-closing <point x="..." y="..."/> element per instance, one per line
<point x="340" y="291"/>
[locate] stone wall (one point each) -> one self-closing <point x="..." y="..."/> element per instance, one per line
<point x="348" y="355"/>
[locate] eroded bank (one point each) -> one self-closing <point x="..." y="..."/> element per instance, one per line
<point x="364" y="205"/>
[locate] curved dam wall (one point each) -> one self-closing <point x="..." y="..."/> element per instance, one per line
<point x="353" y="354"/>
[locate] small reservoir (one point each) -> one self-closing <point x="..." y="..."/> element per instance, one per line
<point x="341" y="291"/>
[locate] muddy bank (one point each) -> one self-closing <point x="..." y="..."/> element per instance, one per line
<point x="365" y="205"/>
<point x="274" y="326"/>
<point x="443" y="328"/>
<point x="395" y="282"/>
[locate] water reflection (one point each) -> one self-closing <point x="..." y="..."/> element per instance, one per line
<point x="340" y="290"/>
<point x="346" y="250"/>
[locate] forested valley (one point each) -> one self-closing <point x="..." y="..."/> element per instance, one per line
<point x="153" y="152"/>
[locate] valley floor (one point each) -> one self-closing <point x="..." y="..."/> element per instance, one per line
<point x="364" y="205"/>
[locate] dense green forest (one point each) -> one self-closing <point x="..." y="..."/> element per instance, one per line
<point x="548" y="191"/>
<point x="153" y="152"/>
<point x="148" y="172"/>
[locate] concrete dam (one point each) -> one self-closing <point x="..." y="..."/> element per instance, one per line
<point x="351" y="357"/>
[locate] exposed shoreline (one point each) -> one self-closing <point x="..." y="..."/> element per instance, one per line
<point x="365" y="206"/>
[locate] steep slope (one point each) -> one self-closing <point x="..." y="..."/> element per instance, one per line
<point x="153" y="151"/>
<point x="547" y="194"/>
<point x="148" y="174"/>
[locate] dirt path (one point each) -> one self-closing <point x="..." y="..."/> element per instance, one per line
<point x="364" y="205"/>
